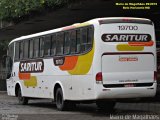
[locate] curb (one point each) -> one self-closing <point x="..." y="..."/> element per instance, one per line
<point x="3" y="92"/>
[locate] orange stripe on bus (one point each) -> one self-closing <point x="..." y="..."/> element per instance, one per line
<point x="150" y="43"/>
<point x="24" y="76"/>
<point x="69" y="63"/>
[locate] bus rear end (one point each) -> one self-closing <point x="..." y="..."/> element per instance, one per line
<point x="128" y="58"/>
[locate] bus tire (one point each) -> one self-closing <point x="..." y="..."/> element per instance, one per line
<point x="107" y="106"/>
<point x="22" y="100"/>
<point x="60" y="103"/>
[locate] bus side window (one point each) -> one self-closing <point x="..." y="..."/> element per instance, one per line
<point x="59" y="43"/>
<point x="47" y="45"/>
<point x="83" y="39"/>
<point x="73" y="41"/>
<point x="89" y="38"/>
<point x="86" y="34"/>
<point x="36" y="48"/>
<point x="16" y="51"/>
<point x="21" y="50"/>
<point x="78" y="44"/>
<point x="26" y="46"/>
<point x="30" y="48"/>
<point x="67" y="43"/>
<point x="53" y="48"/>
<point x="41" y="45"/>
<point x="90" y="35"/>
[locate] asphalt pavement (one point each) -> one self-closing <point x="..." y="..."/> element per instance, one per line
<point x="44" y="109"/>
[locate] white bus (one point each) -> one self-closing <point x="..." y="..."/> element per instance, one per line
<point x="101" y="60"/>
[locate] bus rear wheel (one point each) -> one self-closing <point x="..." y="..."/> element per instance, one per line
<point x="22" y="100"/>
<point x="107" y="106"/>
<point x="60" y="103"/>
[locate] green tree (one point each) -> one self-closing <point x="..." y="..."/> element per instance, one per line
<point x="14" y="9"/>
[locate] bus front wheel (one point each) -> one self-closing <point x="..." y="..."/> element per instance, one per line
<point x="22" y="100"/>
